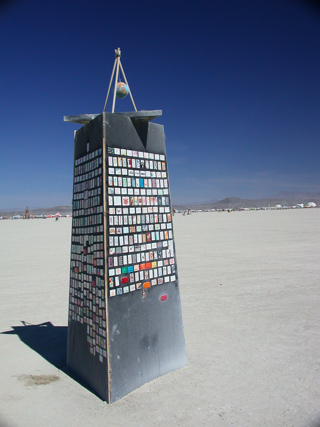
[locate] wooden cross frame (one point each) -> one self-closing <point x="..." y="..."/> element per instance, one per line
<point x="117" y="64"/>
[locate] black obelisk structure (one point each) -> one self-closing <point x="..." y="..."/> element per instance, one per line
<point x="125" y="324"/>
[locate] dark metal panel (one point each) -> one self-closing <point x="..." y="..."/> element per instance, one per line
<point x="122" y="132"/>
<point x="84" y="364"/>
<point x="145" y="330"/>
<point x="146" y="334"/>
<point x="79" y="359"/>
<point x="146" y="337"/>
<point x="90" y="134"/>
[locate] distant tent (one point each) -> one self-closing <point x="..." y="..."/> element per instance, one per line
<point x="57" y="215"/>
<point x="311" y="205"/>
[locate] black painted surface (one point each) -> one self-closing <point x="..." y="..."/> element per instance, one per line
<point x="121" y="131"/>
<point x="83" y="363"/>
<point x="146" y="338"/>
<point x="79" y="359"/>
<point x="90" y="133"/>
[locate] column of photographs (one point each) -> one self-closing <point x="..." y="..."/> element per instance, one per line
<point x="87" y="288"/>
<point x="140" y="237"/>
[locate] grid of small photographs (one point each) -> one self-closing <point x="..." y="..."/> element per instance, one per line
<point x="140" y="238"/>
<point x="87" y="287"/>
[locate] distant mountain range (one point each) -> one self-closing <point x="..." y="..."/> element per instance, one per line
<point x="291" y="195"/>
<point x="283" y="198"/>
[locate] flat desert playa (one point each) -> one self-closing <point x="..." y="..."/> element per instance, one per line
<point x="249" y="284"/>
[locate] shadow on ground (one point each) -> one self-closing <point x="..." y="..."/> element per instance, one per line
<point x="46" y="339"/>
<point x="49" y="341"/>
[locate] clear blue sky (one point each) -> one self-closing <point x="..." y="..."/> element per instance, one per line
<point x="238" y="83"/>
